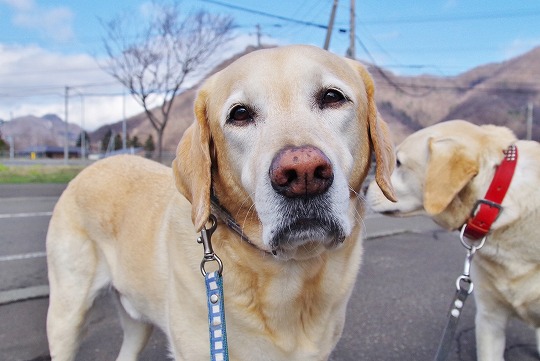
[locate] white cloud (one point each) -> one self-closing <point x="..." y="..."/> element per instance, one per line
<point x="55" y="23"/>
<point x="33" y="80"/>
<point x="148" y="10"/>
<point x="89" y="112"/>
<point x="20" y="5"/>
<point x="22" y="66"/>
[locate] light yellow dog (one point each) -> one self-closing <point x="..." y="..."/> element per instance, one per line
<point x="284" y="139"/>
<point x="442" y="171"/>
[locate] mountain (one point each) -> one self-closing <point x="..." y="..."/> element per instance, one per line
<point x="494" y="93"/>
<point x="28" y="131"/>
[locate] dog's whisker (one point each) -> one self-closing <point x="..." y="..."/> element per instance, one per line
<point x="244" y="202"/>
<point x="250" y="209"/>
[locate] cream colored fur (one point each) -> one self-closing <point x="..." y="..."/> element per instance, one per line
<point x="130" y="224"/>
<point x="443" y="170"/>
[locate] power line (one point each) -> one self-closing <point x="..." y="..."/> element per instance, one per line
<point x="51" y="71"/>
<point x="522" y="88"/>
<point x="386" y="77"/>
<point x="262" y="13"/>
<point x="84" y="85"/>
<point x="316" y="8"/>
<point x="461" y="17"/>
<point x="515" y="87"/>
<point x="398" y="64"/>
<point x="56" y="91"/>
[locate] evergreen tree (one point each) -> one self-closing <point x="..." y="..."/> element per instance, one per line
<point x="117" y="142"/>
<point x="149" y="146"/>
<point x="135" y="142"/>
<point x="4" y="146"/>
<point x="86" y="139"/>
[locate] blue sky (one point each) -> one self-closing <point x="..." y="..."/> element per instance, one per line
<point x="48" y="44"/>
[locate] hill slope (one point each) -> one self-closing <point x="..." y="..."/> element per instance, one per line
<point x="494" y="93"/>
<point x="31" y="131"/>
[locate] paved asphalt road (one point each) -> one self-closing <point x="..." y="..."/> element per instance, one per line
<point x="397" y="310"/>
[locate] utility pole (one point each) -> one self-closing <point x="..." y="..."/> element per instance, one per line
<point x="124" y="126"/>
<point x="258" y="35"/>
<point x="66" y="154"/>
<point x="330" y="25"/>
<point x="83" y="132"/>
<point x="351" y="52"/>
<point x="530" y="107"/>
<point x="11" y="147"/>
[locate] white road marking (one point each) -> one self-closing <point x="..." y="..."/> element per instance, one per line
<point x="25" y="215"/>
<point x="17" y="257"/>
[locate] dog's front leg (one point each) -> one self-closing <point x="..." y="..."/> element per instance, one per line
<point x="490" y="334"/>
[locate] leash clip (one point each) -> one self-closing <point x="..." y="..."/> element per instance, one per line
<point x="205" y="240"/>
<point x="471" y="250"/>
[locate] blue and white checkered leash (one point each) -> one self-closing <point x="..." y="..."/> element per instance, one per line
<point x="214" y="292"/>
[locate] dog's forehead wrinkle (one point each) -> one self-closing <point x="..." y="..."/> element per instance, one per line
<point x="314" y="71"/>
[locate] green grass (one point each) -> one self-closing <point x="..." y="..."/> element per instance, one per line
<point x="37" y="174"/>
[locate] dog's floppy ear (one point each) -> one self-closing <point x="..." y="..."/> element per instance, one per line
<point x="192" y="165"/>
<point x="379" y="133"/>
<point x="450" y="168"/>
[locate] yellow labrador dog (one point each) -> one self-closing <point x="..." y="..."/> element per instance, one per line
<point x="283" y="138"/>
<point x="442" y="171"/>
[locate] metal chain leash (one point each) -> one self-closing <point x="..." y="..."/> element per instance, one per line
<point x="464" y="287"/>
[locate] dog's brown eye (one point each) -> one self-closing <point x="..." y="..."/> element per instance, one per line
<point x="398" y="163"/>
<point x="331" y="97"/>
<point x="240" y="114"/>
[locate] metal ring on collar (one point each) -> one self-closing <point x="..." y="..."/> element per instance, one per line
<point x="468" y="246"/>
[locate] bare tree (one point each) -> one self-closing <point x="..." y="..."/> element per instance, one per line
<point x="154" y="63"/>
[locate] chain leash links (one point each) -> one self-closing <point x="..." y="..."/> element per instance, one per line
<point x="219" y="350"/>
<point x="464" y="287"/>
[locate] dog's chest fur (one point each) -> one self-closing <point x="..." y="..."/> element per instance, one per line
<point x="511" y="264"/>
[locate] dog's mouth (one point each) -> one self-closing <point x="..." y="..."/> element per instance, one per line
<point x="306" y="229"/>
<point x="294" y="234"/>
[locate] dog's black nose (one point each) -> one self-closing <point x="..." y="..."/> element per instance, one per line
<point x="301" y="172"/>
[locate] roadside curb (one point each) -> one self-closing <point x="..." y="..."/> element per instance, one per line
<point x="383" y="234"/>
<point x="23" y="294"/>
<point x="378" y="226"/>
